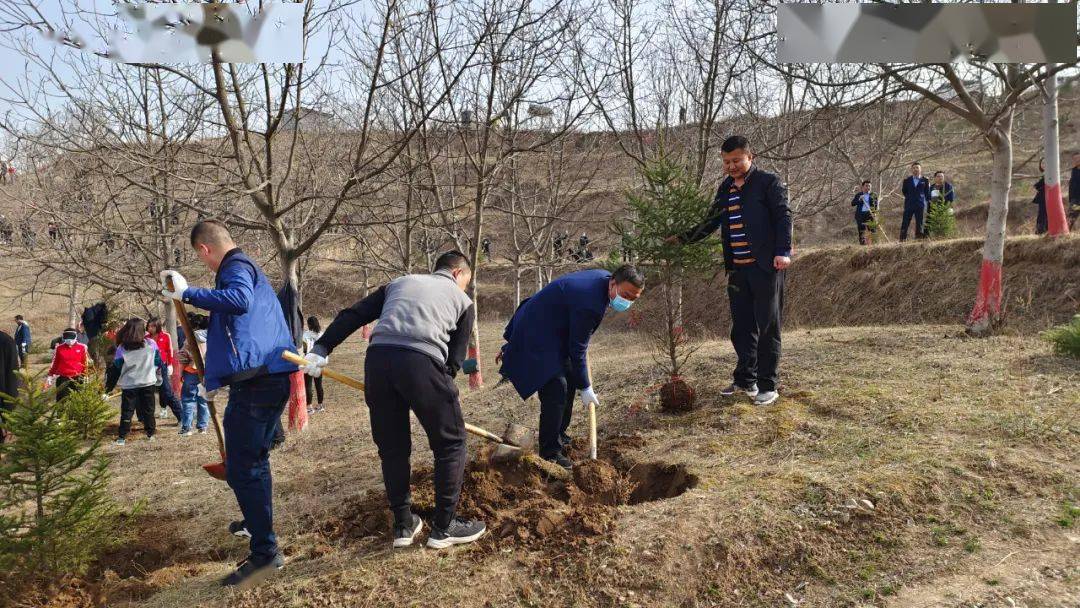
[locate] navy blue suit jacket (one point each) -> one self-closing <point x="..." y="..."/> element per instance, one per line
<point x="554" y="325"/>
<point x="916" y="196"/>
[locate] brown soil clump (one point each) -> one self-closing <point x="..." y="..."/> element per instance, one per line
<point x="676" y="396"/>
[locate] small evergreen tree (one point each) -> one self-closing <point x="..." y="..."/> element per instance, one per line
<point x="84" y="408"/>
<point x="1065" y="338"/>
<point x="55" y="512"/>
<point x="940" y="219"/>
<point x="668" y="204"/>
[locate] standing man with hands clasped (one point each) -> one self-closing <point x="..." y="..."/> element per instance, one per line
<point x="244" y="342"/>
<point x="751" y="211"/>
<point x="416" y="350"/>
<point x="546" y="342"/>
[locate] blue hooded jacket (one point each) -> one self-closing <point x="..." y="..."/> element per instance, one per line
<point x="554" y="325"/>
<point x="247" y="332"/>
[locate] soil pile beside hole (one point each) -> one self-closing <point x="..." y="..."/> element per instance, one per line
<point x="523" y="506"/>
<point x="676" y="396"/>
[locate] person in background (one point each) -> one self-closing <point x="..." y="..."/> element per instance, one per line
<point x="69" y="363"/>
<point x="1041" y="223"/>
<point x="916" y="189"/>
<point x="166" y="396"/>
<point x="311" y="334"/>
<point x="9" y="378"/>
<point x="1074" y="191"/>
<point x="195" y="407"/>
<point x="865" y="203"/>
<point x="136" y="368"/>
<point x="23" y="339"/>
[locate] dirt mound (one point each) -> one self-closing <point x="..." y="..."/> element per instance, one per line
<point x="676" y="396"/>
<point x="520" y="503"/>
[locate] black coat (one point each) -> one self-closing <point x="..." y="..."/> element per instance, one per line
<point x="916" y="196"/>
<point x="765" y="213"/>
<point x="1074" y="186"/>
<point x="856" y="202"/>
<point x="9" y="363"/>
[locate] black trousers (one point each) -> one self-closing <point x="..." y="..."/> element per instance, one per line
<point x="140" y="402"/>
<point x="400" y="379"/>
<point x="556" y="408"/>
<point x="913" y="211"/>
<point x="756" y="296"/>
<point x="66" y="386"/>
<point x="308" y="381"/>
<point x="861" y="222"/>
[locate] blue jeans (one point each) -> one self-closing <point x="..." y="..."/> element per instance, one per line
<point x="252" y="413"/>
<point x="191" y="403"/>
<point x="166" y="398"/>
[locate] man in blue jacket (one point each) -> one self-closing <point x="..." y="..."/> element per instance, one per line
<point x="22" y="338"/>
<point x="916" y="189"/>
<point x="751" y="210"/>
<point x="244" y="342"/>
<point x="546" y="340"/>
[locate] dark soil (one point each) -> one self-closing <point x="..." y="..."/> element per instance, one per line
<point x="676" y="396"/>
<point x="523" y="506"/>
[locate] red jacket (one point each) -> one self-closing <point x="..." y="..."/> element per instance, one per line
<point x="69" y="361"/>
<point x="164" y="346"/>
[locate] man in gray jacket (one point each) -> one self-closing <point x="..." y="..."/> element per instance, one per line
<point x="425" y="321"/>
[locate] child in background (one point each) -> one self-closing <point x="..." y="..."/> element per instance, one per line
<point x="190" y="400"/>
<point x="166" y="397"/>
<point x="70" y="359"/>
<point x="311" y="334"/>
<point x="136" y="368"/>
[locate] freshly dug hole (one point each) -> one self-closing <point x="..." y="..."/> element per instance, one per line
<point x="676" y="396"/>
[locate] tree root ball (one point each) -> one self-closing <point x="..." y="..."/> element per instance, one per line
<point x="676" y="396"/>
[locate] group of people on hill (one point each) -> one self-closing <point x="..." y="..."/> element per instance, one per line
<point x="922" y="195"/>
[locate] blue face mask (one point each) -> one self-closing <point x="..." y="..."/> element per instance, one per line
<point x="620" y="304"/>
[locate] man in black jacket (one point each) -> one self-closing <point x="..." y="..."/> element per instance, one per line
<point x="916" y="189"/>
<point x="9" y="381"/>
<point x="425" y="322"/>
<point x="751" y="210"/>
<point x="865" y="203"/>
<point x="1074" y="191"/>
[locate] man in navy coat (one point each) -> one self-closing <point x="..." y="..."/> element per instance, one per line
<point x="546" y="340"/>
<point x="916" y="190"/>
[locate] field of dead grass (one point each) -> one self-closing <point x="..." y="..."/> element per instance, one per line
<point x="966" y="449"/>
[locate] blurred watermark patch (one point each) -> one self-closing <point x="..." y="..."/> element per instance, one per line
<point x="926" y="33"/>
<point x="185" y="33"/>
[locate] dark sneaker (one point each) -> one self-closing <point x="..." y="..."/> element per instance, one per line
<point x="459" y="532"/>
<point x="239" y="528"/>
<point x="561" y="460"/>
<point x="564" y="440"/>
<point x="406" y="533"/>
<point x="732" y="389"/>
<point x="249" y="573"/>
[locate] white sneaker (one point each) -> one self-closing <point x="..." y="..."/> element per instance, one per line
<point x="405" y="534"/>
<point x="766" y="398"/>
<point x="186" y="433"/>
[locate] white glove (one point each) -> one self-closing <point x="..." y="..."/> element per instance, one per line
<point x="315" y="363"/>
<point x="588" y="395"/>
<point x="168" y="370"/>
<point x="208" y="395"/>
<point x="179" y="284"/>
<point x="50" y="381"/>
<point x="105" y="396"/>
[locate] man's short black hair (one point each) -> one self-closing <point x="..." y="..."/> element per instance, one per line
<point x="210" y="232"/>
<point x="18" y="317"/>
<point x="735" y="142"/>
<point x="937" y="173"/>
<point x="916" y="163"/>
<point x="452" y="260"/>
<point x="628" y="273"/>
<point x="865" y="181"/>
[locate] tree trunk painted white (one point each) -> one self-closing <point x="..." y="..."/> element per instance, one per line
<point x="1055" y="207"/>
<point x="73" y="304"/>
<point x="987" y="310"/>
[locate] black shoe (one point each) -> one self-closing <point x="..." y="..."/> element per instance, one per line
<point x="561" y="460"/>
<point x="459" y="532"/>
<point x="275" y="444"/>
<point x="730" y="390"/>
<point x="564" y="440"/>
<point x="239" y="528"/>
<point x="405" y="533"/>
<point x="249" y="573"/>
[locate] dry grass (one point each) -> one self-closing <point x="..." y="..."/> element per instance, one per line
<point x="967" y="448"/>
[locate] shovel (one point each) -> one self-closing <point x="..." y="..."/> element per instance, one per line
<point x="509" y="446"/>
<point x="216" y="469"/>
<point x="592" y="413"/>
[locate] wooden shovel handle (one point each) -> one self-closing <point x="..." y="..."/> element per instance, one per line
<point x="592" y="412"/>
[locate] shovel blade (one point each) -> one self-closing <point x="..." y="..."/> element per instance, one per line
<point x="215" y="470"/>
<point x="520" y="436"/>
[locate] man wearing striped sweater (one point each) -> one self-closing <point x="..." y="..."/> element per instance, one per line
<point x="751" y="211"/>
